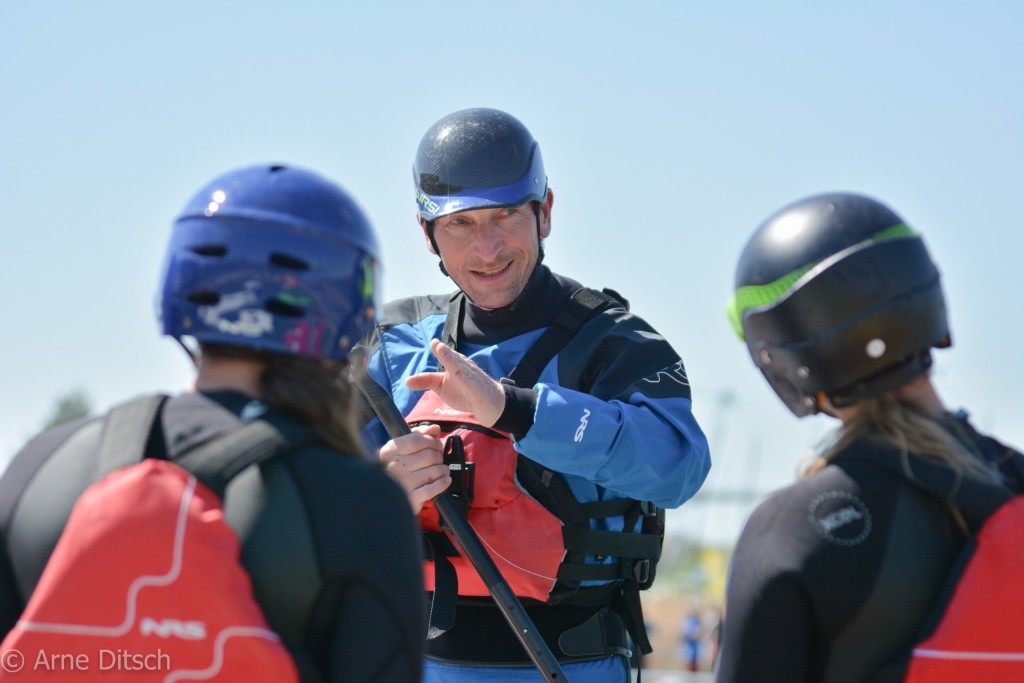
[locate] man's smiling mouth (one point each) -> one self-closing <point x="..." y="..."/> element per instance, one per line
<point x="492" y="273"/>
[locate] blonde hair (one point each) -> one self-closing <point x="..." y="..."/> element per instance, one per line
<point x="888" y="421"/>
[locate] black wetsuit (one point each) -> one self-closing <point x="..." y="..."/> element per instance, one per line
<point x="833" y="576"/>
<point x="329" y="541"/>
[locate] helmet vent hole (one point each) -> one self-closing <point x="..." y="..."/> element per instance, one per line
<point x="282" y="308"/>
<point x="286" y="261"/>
<point x="277" y="168"/>
<point x="204" y="298"/>
<point x="210" y="250"/>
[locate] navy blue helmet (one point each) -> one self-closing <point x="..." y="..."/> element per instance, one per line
<point x="475" y="159"/>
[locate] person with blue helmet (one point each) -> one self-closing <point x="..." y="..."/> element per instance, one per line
<point x="269" y="281"/>
<point x="837" y="577"/>
<point x="565" y="419"/>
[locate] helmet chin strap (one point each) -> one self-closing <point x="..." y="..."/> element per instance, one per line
<point x="540" y="240"/>
<point x="433" y="243"/>
<point x="193" y="354"/>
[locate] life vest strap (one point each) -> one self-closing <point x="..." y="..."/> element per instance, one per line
<point x="573" y="633"/>
<point x="441" y="615"/>
<point x="612" y="543"/>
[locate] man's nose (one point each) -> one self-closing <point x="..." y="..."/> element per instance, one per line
<point x="489" y="239"/>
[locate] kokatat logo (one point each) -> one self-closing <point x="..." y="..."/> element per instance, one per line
<point x="583" y="426"/>
<point x="840" y="518"/>
<point x="165" y="628"/>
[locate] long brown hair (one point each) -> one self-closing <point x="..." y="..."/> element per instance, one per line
<point x="316" y="392"/>
<point x="888" y="421"/>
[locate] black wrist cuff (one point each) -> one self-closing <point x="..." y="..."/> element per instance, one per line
<point x="517" y="418"/>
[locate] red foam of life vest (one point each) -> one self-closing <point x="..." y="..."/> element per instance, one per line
<point x="981" y="634"/>
<point x="522" y="537"/>
<point x="145" y="585"/>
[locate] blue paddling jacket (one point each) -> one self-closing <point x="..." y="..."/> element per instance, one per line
<point x="607" y="416"/>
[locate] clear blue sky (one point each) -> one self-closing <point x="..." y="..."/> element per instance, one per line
<point x="669" y="131"/>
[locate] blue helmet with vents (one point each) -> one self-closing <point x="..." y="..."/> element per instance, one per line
<point x="836" y="295"/>
<point x="271" y="258"/>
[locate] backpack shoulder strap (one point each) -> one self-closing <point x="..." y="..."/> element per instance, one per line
<point x="126" y="430"/>
<point x="583" y="305"/>
<point x="217" y="462"/>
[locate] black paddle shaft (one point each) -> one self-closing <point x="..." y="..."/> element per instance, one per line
<point x="538" y="651"/>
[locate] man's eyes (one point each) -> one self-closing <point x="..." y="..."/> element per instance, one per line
<point x="458" y="230"/>
<point x="461" y="225"/>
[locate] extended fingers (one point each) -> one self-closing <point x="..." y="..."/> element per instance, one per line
<point x="424" y="437"/>
<point x="425" y="381"/>
<point x="452" y="359"/>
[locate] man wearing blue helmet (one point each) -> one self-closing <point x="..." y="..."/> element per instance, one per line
<point x="565" y="418"/>
<point x="268" y="282"/>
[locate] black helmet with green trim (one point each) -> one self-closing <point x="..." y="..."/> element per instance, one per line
<point x="836" y="295"/>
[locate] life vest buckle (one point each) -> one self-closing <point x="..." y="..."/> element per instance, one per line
<point x="642" y="571"/>
<point x="454" y="456"/>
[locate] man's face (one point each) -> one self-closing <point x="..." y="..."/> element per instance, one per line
<point x="490" y="253"/>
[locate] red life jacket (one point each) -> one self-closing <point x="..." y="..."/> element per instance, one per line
<point x="523" y="538"/>
<point x="536" y="531"/>
<point x="146" y="576"/>
<point x="979" y="635"/>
